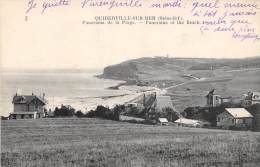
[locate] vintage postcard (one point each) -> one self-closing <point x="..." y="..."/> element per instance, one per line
<point x="130" y="83"/>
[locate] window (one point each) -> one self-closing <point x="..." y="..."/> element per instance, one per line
<point x="218" y="119"/>
<point x="233" y="121"/>
<point x="244" y="120"/>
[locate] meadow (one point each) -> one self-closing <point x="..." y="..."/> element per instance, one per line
<point x="96" y="142"/>
<point x="193" y="93"/>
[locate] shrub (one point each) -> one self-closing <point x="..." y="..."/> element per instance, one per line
<point x="79" y="114"/>
<point x="106" y="113"/>
<point x="64" y="111"/>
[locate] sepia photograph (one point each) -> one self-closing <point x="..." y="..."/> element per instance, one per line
<point x="130" y="83"/>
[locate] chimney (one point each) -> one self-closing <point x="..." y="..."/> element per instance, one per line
<point x="32" y="94"/>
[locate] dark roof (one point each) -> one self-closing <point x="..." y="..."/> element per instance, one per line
<point x="211" y="92"/>
<point x="27" y="99"/>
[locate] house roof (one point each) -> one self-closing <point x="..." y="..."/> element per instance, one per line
<point x="163" y="102"/>
<point x="238" y="112"/>
<point x="23" y="113"/>
<point x="187" y="121"/>
<point x="27" y="99"/>
<point x="163" y="120"/>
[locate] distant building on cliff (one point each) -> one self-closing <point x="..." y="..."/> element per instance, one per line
<point x="28" y="107"/>
<point x="214" y="100"/>
<point x="251" y="98"/>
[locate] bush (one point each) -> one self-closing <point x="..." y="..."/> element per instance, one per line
<point x="106" y="113"/>
<point x="79" y="114"/>
<point x="64" y="111"/>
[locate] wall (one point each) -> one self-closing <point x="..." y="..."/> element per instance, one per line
<point x="20" y="107"/>
<point x="25" y="107"/>
<point x="225" y="120"/>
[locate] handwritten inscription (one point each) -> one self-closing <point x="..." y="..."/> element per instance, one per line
<point x="31" y="5"/>
<point x="47" y="5"/>
<point x="236" y="18"/>
<point x="169" y="4"/>
<point x="111" y="4"/>
<point x="221" y="17"/>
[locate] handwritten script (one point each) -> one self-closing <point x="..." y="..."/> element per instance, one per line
<point x="234" y="18"/>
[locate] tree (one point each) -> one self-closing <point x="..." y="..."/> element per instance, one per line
<point x="117" y="110"/>
<point x="168" y="113"/>
<point x="64" y="111"/>
<point x="79" y="114"/>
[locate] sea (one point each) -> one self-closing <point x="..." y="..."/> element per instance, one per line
<point x="75" y="87"/>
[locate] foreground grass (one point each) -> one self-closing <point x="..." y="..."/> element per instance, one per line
<point x="93" y="142"/>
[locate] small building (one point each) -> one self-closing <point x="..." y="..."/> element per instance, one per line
<point x="235" y="117"/>
<point x="163" y="121"/>
<point x="187" y="122"/>
<point x="28" y="107"/>
<point x="256" y="98"/>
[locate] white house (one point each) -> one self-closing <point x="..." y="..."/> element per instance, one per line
<point x="234" y="117"/>
<point x="187" y="122"/>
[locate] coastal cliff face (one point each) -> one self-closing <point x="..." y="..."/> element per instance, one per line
<point x="123" y="71"/>
<point x="164" y="68"/>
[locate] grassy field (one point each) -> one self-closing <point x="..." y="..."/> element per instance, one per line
<point x="94" y="142"/>
<point x="193" y="93"/>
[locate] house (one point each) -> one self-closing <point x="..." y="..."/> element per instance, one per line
<point x="163" y="121"/>
<point x="187" y="122"/>
<point x="235" y="117"/>
<point x="256" y="98"/>
<point x="28" y="107"/>
<point x="251" y="98"/>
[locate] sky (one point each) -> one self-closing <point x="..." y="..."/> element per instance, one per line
<point x="58" y="39"/>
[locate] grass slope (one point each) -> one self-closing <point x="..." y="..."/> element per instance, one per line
<point x="94" y="142"/>
<point x="163" y="68"/>
<point x="193" y="93"/>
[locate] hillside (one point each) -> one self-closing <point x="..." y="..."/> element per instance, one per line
<point x="164" y="68"/>
<point x="188" y="80"/>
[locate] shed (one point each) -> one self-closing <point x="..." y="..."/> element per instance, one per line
<point x="163" y="121"/>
